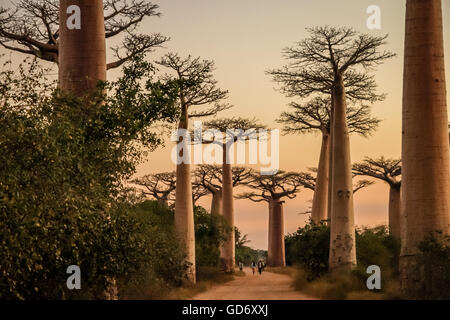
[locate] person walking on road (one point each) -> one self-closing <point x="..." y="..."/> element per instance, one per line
<point x="241" y="266"/>
<point x="253" y="266"/>
<point x="260" y="266"/>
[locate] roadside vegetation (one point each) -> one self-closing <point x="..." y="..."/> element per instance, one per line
<point x="307" y="259"/>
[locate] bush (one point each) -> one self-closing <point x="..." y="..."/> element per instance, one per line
<point x="245" y="254"/>
<point x="211" y="230"/>
<point x="433" y="263"/>
<point x="64" y="160"/>
<point x="309" y="248"/>
<point x="375" y="246"/>
<point x="162" y="262"/>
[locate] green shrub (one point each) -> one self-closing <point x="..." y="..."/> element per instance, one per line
<point x="64" y="160"/>
<point x="309" y="248"/>
<point x="245" y="254"/>
<point x="375" y="246"/>
<point x="161" y="265"/>
<point x="211" y="230"/>
<point x="433" y="265"/>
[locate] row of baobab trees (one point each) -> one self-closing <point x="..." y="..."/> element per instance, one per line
<point x="332" y="67"/>
<point x="272" y="189"/>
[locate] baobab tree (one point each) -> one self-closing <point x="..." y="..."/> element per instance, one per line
<point x="314" y="116"/>
<point x="336" y="62"/>
<point x="198" y="192"/>
<point x="81" y="49"/>
<point x="32" y="27"/>
<point x="387" y="170"/>
<point x="209" y="177"/>
<point x="425" y="140"/>
<point x="310" y="179"/>
<point x="159" y="186"/>
<point x="230" y="131"/>
<point x="196" y="88"/>
<point x="272" y="189"/>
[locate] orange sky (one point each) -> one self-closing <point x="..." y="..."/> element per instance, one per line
<point x="245" y="38"/>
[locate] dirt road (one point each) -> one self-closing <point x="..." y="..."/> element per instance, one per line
<point x="268" y="286"/>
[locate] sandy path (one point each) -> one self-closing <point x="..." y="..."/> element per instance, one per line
<point x="268" y="286"/>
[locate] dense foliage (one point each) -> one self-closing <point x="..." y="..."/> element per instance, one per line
<point x="309" y="248"/>
<point x="244" y="253"/>
<point x="210" y="232"/>
<point x="161" y="263"/>
<point x="433" y="264"/>
<point x="64" y="160"/>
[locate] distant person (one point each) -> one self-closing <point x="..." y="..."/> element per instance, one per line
<point x="241" y="266"/>
<point x="260" y="266"/>
<point x="253" y="266"/>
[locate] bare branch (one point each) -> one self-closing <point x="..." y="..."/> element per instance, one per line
<point x="384" y="169"/>
<point x="315" y="63"/>
<point x="32" y="27"/>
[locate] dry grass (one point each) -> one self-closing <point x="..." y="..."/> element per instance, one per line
<point x="345" y="287"/>
<point x="290" y="271"/>
<point x="207" y="278"/>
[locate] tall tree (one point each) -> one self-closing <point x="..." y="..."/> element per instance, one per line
<point x="310" y="179"/>
<point x="209" y="177"/>
<point x="232" y="130"/>
<point x="81" y="46"/>
<point x="198" y="192"/>
<point x="159" y="186"/>
<point x="337" y="62"/>
<point x="314" y="116"/>
<point x="425" y="140"/>
<point x="33" y="27"/>
<point x="387" y="170"/>
<point x="196" y="87"/>
<point x="272" y="189"/>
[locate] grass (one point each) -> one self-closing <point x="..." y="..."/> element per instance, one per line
<point x="345" y="287"/>
<point x="282" y="270"/>
<point x="151" y="289"/>
<point x="206" y="279"/>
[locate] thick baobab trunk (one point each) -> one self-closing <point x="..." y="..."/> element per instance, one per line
<point x="342" y="238"/>
<point x="216" y="202"/>
<point x="320" y="199"/>
<point x="276" y="249"/>
<point x="330" y="163"/>
<point x="184" y="213"/>
<point x="82" y="52"/>
<point x="227" y="253"/>
<point x="425" y="141"/>
<point x="394" y="211"/>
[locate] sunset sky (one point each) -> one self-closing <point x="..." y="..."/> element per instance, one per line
<point x="245" y="38"/>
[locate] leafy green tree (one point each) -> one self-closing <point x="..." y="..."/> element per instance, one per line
<point x="64" y="161"/>
<point x="244" y="253"/>
<point x="211" y="230"/>
<point x="308" y="247"/>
